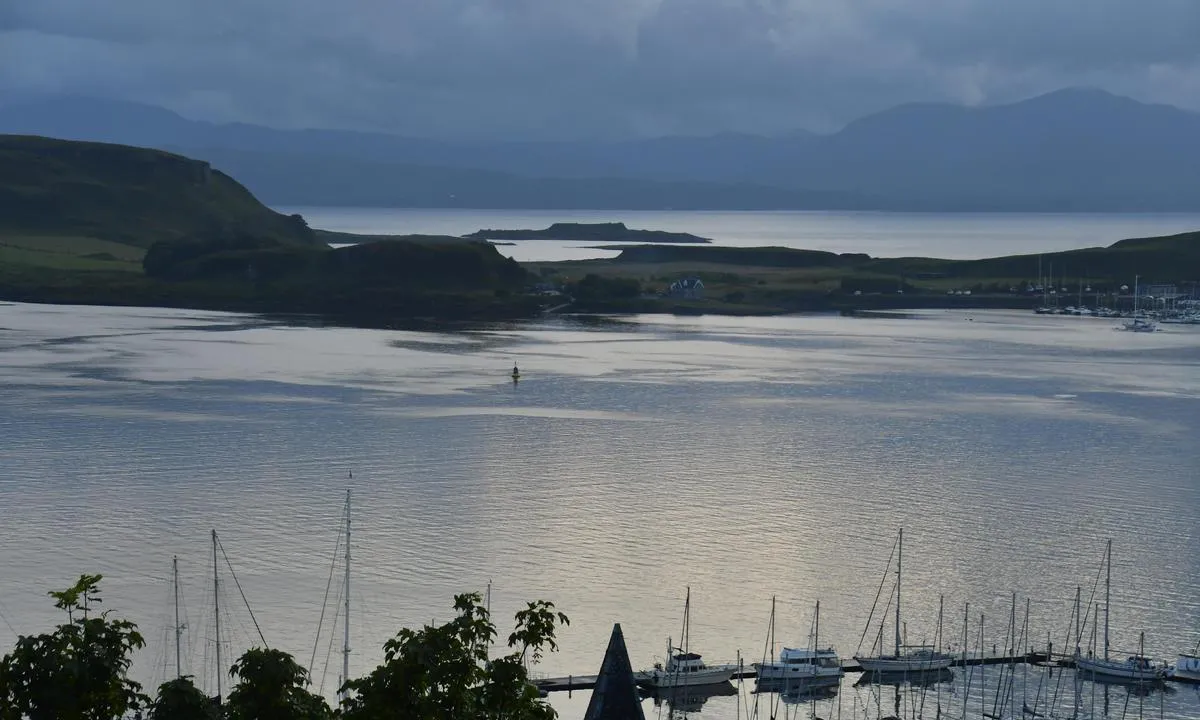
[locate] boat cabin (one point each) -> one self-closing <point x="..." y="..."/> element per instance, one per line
<point x="685" y="663"/>
<point x="797" y="657"/>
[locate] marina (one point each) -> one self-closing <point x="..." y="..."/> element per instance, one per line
<point x="572" y="683"/>
<point x="1142" y="307"/>
<point x="813" y="671"/>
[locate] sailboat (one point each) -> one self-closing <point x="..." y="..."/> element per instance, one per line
<point x="343" y="544"/>
<point x="1135" y="667"/>
<point x="1138" y="323"/>
<point x="800" y="664"/>
<point x="683" y="667"/>
<point x="906" y="658"/>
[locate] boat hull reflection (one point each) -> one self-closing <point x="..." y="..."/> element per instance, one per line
<point x="688" y="698"/>
<point x="918" y="679"/>
<point x="794" y="690"/>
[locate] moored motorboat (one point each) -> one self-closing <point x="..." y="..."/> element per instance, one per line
<point x="684" y="668"/>
<point x="801" y="664"/>
<point x="1186" y="668"/>
<point x="798" y="664"/>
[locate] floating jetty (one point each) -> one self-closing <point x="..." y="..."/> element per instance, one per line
<point x="587" y="682"/>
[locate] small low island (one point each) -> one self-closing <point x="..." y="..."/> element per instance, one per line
<point x="614" y="232"/>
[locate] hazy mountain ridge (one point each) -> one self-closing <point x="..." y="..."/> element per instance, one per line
<point x="1071" y="150"/>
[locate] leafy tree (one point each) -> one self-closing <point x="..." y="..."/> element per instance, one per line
<point x="78" y="672"/>
<point x="180" y="699"/>
<point x="271" y="686"/>
<point x="445" y="672"/>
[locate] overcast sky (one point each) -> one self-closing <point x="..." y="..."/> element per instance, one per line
<point x="562" y="68"/>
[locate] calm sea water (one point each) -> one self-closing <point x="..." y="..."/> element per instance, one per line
<point x="746" y="458"/>
<point x="949" y="235"/>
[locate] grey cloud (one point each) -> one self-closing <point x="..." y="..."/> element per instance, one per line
<point x="565" y="68"/>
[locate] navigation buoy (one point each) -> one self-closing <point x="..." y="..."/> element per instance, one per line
<point x="516" y="373"/>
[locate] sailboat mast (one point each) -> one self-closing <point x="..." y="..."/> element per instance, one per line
<point x="941" y="606"/>
<point x="346" y="592"/>
<point x="178" y="627"/>
<point x="1012" y="628"/>
<point x="899" y="560"/>
<point x="1078" y="610"/>
<point x="687" y="609"/>
<point x="817" y="628"/>
<point x="771" y="633"/>
<point x="1107" y="593"/>
<point x="217" y="612"/>
<point x="966" y="641"/>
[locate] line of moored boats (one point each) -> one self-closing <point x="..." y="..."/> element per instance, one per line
<point x="815" y="665"/>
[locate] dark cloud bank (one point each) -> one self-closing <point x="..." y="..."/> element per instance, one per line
<point x="590" y="68"/>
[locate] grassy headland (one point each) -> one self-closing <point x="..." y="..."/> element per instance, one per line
<point x="104" y="224"/>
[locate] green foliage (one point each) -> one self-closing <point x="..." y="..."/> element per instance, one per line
<point x="535" y="630"/>
<point x="180" y="699"/>
<point x="446" y="672"/>
<point x="874" y="284"/>
<point x="225" y="256"/>
<point x="597" y="287"/>
<point x="271" y="686"/>
<point x="78" y="672"/>
<point x="422" y="265"/>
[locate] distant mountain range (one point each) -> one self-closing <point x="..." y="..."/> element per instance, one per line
<point x="1071" y="150"/>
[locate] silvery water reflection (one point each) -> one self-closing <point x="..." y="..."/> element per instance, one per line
<point x="743" y="457"/>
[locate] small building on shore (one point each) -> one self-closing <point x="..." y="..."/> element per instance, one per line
<point x="690" y="288"/>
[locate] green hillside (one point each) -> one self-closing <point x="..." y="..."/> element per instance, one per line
<point x="1171" y="258"/>
<point x="103" y="224"/>
<point x="75" y="198"/>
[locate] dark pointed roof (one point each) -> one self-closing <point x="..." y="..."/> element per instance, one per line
<point x="615" y="696"/>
